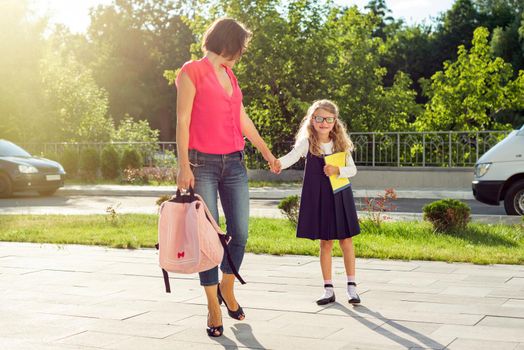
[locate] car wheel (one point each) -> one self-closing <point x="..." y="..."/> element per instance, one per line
<point x="48" y="192"/>
<point x="514" y="200"/>
<point x="6" y="187"/>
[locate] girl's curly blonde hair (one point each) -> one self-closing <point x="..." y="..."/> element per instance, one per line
<point x="339" y="135"/>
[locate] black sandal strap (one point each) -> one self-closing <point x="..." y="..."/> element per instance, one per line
<point x="328" y="285"/>
<point x="352" y="284"/>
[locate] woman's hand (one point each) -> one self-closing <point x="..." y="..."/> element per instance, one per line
<point x="331" y="170"/>
<point x="185" y="178"/>
<point x="273" y="162"/>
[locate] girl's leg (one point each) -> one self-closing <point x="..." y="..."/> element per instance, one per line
<point x="348" y="251"/>
<point x="326" y="248"/>
<point x="346" y="245"/>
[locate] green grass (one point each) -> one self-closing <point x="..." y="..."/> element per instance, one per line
<point x="479" y="243"/>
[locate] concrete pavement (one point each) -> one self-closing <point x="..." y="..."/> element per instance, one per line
<point x="74" y="297"/>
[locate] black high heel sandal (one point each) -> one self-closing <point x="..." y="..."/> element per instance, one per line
<point x="212" y="330"/>
<point x="233" y="314"/>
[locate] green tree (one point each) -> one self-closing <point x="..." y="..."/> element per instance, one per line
<point x="386" y="24"/>
<point x="138" y="132"/>
<point x="357" y="77"/>
<point x="21" y="47"/>
<point x="456" y="28"/>
<point x="132" y="43"/>
<point x="411" y="50"/>
<point x="76" y="106"/>
<point x="471" y="91"/>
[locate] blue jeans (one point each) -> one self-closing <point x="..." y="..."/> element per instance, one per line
<point x="227" y="175"/>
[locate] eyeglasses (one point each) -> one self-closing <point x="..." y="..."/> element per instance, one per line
<point x="319" y="119"/>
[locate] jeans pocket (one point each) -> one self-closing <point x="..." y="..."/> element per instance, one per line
<point x="194" y="160"/>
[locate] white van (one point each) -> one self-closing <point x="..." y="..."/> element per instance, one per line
<point x="499" y="174"/>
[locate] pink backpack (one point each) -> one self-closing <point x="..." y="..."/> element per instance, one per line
<point x="189" y="239"/>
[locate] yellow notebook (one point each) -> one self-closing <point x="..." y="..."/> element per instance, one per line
<point x="339" y="160"/>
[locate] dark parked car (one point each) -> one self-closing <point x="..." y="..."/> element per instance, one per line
<point x="20" y="171"/>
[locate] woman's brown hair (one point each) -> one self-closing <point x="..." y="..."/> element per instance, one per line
<point x="226" y="37"/>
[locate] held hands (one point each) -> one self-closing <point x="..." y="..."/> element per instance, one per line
<point x="274" y="164"/>
<point x="276" y="167"/>
<point x="331" y="170"/>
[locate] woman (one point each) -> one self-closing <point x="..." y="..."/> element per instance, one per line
<point x="211" y="122"/>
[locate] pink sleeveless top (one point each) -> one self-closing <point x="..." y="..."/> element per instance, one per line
<point x="215" y="117"/>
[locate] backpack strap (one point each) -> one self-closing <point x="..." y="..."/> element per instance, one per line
<point x="224" y="242"/>
<point x="166" y="276"/>
<point x="224" y="239"/>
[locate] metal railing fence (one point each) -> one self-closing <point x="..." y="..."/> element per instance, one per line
<point x="397" y="149"/>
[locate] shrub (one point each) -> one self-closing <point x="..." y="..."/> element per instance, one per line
<point x="289" y="207"/>
<point x="70" y="162"/>
<point x="131" y="159"/>
<point x="110" y="163"/>
<point x="447" y="214"/>
<point x="134" y="176"/>
<point x="375" y="207"/>
<point x="163" y="198"/>
<point x="149" y="175"/>
<point x="89" y="163"/>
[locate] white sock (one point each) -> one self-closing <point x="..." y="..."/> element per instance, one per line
<point x="328" y="290"/>
<point x="352" y="289"/>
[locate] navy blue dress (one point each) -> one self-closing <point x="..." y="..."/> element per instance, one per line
<point x="324" y="215"/>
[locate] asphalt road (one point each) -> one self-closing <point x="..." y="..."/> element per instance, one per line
<point x="76" y="204"/>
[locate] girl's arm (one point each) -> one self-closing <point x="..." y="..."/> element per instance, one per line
<point x="299" y="151"/>
<point x="250" y="131"/>
<point x="350" y="169"/>
<point x="184" y="105"/>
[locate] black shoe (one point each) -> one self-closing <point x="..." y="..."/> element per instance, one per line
<point x="214" y="331"/>
<point x="353" y="300"/>
<point x="238" y="314"/>
<point x="325" y="301"/>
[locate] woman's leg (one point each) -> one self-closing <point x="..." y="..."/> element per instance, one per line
<point x="213" y="308"/>
<point x="234" y="196"/>
<point x="206" y="174"/>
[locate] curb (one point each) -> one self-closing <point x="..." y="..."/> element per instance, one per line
<point x="258" y="192"/>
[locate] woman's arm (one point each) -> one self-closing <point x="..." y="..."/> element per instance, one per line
<point x="184" y="105"/>
<point x="250" y="131"/>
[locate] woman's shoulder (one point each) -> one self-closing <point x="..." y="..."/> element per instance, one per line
<point x="193" y="65"/>
<point x="194" y="69"/>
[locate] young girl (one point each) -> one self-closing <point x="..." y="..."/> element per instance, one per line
<point x="324" y="215"/>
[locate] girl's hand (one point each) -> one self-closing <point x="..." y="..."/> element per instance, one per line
<point x="331" y="170"/>
<point x="185" y="178"/>
<point x="276" y="167"/>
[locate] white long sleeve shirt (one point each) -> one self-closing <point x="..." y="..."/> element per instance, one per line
<point x="301" y="148"/>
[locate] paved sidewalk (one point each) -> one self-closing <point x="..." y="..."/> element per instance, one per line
<point x="73" y="297"/>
